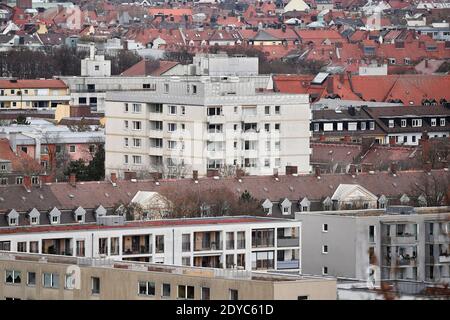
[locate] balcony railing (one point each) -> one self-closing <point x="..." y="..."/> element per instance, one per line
<point x="240" y="244"/>
<point x="444" y="258"/>
<point x="140" y="250"/>
<point x="209" y="247"/>
<point x="288" y="264"/>
<point x="402" y="239"/>
<point x="288" y="242"/>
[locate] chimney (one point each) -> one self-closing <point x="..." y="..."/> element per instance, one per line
<point x="156" y="176"/>
<point x="195" y="175"/>
<point x="317" y="171"/>
<point x="424" y="142"/>
<point x="27" y="183"/>
<point x="427" y="166"/>
<point x="392" y="141"/>
<point x="393" y="167"/>
<point x="73" y="179"/>
<point x="426" y="63"/>
<point x="113" y="177"/>
<point x="352" y="169"/>
<point x="322" y="138"/>
<point x="92" y="51"/>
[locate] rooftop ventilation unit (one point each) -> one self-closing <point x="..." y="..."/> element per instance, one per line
<point x="114" y="220"/>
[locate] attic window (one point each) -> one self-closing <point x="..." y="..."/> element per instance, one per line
<point x="13" y="221"/>
<point x="55" y="220"/>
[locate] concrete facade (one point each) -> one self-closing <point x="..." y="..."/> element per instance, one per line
<point x="120" y="280"/>
<point x="206" y="123"/>
<point x="412" y="246"/>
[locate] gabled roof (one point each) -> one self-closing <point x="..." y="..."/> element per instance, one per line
<point x="345" y="190"/>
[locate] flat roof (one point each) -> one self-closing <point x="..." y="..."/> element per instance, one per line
<point x="163" y="268"/>
<point x="174" y="223"/>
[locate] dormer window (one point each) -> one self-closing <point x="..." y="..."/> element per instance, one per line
<point x="442" y="122"/>
<point x="34" y="216"/>
<point x="433" y="122"/>
<point x="267" y="207"/>
<point x="305" y="205"/>
<point x="54" y="216"/>
<point x="79" y="215"/>
<point x="13" y="218"/>
<point x="286" y="207"/>
<point x="417" y="122"/>
<point x="391" y="123"/>
<point x="403" y="123"/>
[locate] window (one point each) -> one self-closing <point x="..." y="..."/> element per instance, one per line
<point x="372" y="125"/>
<point x="277" y="145"/>
<point x="146" y="288"/>
<point x="391" y="123"/>
<point x="125" y="159"/>
<point x="186" y="261"/>
<point x="3" y="181"/>
<point x="82" y="100"/>
<point x="183" y="110"/>
<point x="194" y="89"/>
<point x="166" y="88"/>
<point x="13" y="221"/>
<point x="136" y="142"/>
<point x="159" y="241"/>
<point x="137" y="159"/>
<point x="13" y="277"/>
<point x="433" y="122"/>
<point x="31" y="281"/>
<point x="156" y="125"/>
<point x="19" y="180"/>
<point x="137" y="125"/>
<point x="316" y="127"/>
<point x="137" y="108"/>
<point x="92" y="148"/>
<point x="34" y="247"/>
<point x="171" y="127"/>
<point x="340" y="126"/>
<point x="34" y="220"/>
<point x="442" y="122"/>
<point x="267" y="110"/>
<point x="97" y="67"/>
<point x="403" y="123"/>
<point x="125" y="107"/>
<point x="234" y="294"/>
<point x="413" y="138"/>
<point x="267" y="163"/>
<point x="114" y="244"/>
<point x="325" y="271"/>
<point x="277" y="126"/>
<point x="165" y="290"/>
<point x="185" y="292"/>
<point x="186" y="242"/>
<point x="206" y="293"/>
<point x="125" y="142"/>
<point x="80" y="251"/>
<point x="172" y="109"/>
<point x="22" y="246"/>
<point x="324" y="249"/>
<point x="50" y="280"/>
<point x="267" y="127"/>
<point x="103" y="246"/>
<point x="214" y="111"/>
<point x="277" y="109"/>
<point x="172" y="144"/>
<point x="302" y="298"/>
<point x="3" y="167"/>
<point x="325" y="227"/>
<point x="277" y="162"/>
<point x="417" y="122"/>
<point x="125" y="124"/>
<point x="156" y="142"/>
<point x="5" y="245"/>
<point x="72" y="149"/>
<point x="95" y="287"/>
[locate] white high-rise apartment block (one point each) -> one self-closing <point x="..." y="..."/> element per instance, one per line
<point x="184" y="123"/>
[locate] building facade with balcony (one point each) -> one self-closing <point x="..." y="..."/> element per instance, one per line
<point x="396" y="243"/>
<point x="33" y="94"/>
<point x="206" y="123"/>
<point x="243" y="243"/>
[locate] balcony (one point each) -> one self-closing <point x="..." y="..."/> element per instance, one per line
<point x="155" y="151"/>
<point x="288" y="242"/>
<point x="402" y="239"/>
<point x="288" y="264"/>
<point x="215" y="119"/>
<point x="444" y="258"/>
<point x="213" y="246"/>
<point x="407" y="262"/>
<point x="136" y="250"/>
<point x="438" y="238"/>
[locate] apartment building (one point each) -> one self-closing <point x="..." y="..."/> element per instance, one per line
<point x="39" y="277"/>
<point x="206" y="123"/>
<point x="396" y="243"/>
<point x="247" y="243"/>
<point x="30" y="94"/>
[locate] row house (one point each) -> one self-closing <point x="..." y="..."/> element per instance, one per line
<point x="387" y="125"/>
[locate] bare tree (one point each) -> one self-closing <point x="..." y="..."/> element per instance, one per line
<point x="434" y="187"/>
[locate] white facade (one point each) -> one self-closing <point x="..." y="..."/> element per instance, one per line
<point x="206" y="123"/>
<point x="268" y="244"/>
<point x="95" y="65"/>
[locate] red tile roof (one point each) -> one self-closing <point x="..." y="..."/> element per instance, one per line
<point x="33" y="84"/>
